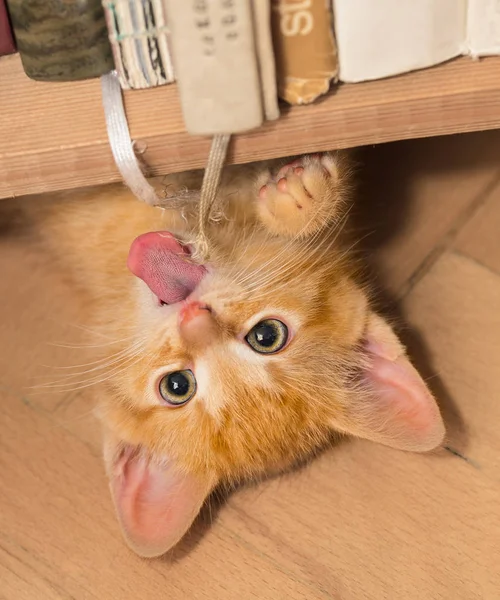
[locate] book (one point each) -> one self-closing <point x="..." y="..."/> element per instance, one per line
<point x="388" y="37"/>
<point x="61" y="40"/>
<point x="483" y="27"/>
<point x="306" y="53"/>
<point x="138" y="35"/>
<point x="7" y="44"/>
<point x="266" y="58"/>
<point x="216" y="68"/>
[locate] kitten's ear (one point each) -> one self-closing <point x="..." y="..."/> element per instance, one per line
<point x="400" y="411"/>
<point x="155" y="504"/>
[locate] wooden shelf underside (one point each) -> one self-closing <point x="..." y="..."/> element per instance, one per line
<point x="53" y="135"/>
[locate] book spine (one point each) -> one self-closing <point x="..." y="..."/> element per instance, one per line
<point x="138" y="34"/>
<point x="266" y="58"/>
<point x="61" y="40"/>
<point x="215" y="61"/>
<point x="483" y="27"/>
<point x="7" y="44"/>
<point x="306" y="54"/>
<point x="388" y="37"/>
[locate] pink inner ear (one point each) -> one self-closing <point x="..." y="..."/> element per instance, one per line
<point x="155" y="504"/>
<point x="401" y="411"/>
<point x="408" y="415"/>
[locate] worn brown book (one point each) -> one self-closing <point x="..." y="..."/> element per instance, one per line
<point x="304" y="44"/>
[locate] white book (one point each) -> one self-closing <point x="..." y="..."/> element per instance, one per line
<point x="381" y="38"/>
<point x="483" y="27"/>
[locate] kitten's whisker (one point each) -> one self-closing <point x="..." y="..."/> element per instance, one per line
<point x="264" y="292"/>
<point x="252" y="273"/>
<point x="64" y="422"/>
<point x="90" y="383"/>
<point x="303" y="251"/>
<point x="247" y="241"/>
<point x="285" y="248"/>
<point x="79" y="385"/>
<point x="299" y="264"/>
<point x="58" y="384"/>
<point x="91" y="330"/>
<point x="103" y="361"/>
<point x="320" y="230"/>
<point x="106" y="365"/>
<point x="292" y="263"/>
<point x="80" y="346"/>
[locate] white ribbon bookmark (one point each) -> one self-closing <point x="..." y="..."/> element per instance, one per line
<point x="120" y="142"/>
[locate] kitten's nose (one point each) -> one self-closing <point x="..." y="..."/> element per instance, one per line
<point x="197" y="325"/>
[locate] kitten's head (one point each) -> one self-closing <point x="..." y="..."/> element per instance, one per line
<point x="244" y="367"/>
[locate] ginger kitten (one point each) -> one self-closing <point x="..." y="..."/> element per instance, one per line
<point x="241" y="366"/>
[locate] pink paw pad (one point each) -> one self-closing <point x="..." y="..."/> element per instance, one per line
<point x="282" y="185"/>
<point x="296" y="166"/>
<point x="285" y="169"/>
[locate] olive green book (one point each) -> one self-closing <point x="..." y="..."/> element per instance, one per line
<point x="61" y="40"/>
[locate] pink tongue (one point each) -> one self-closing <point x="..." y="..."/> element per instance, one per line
<point x="160" y="261"/>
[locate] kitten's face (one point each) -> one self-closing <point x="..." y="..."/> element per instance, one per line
<point x="244" y="407"/>
<point x="248" y="364"/>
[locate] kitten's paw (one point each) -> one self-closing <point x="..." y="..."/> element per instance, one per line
<point x="303" y="196"/>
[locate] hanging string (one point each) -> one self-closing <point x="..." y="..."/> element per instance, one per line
<point x="130" y="170"/>
<point x="209" y="188"/>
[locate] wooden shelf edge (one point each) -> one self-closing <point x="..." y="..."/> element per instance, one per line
<point x="54" y="136"/>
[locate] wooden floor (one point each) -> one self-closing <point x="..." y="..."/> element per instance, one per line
<point x="362" y="522"/>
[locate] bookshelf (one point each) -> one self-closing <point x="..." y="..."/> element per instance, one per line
<point x="53" y="135"/>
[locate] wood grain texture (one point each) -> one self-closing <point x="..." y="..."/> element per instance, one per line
<point x="54" y="137"/>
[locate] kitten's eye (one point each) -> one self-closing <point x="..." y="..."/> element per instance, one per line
<point x="178" y="387"/>
<point x="268" y="336"/>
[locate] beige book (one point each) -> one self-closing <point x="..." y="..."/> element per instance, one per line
<point x="306" y="55"/>
<point x="377" y="39"/>
<point x="483" y="27"/>
<point x="215" y="62"/>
